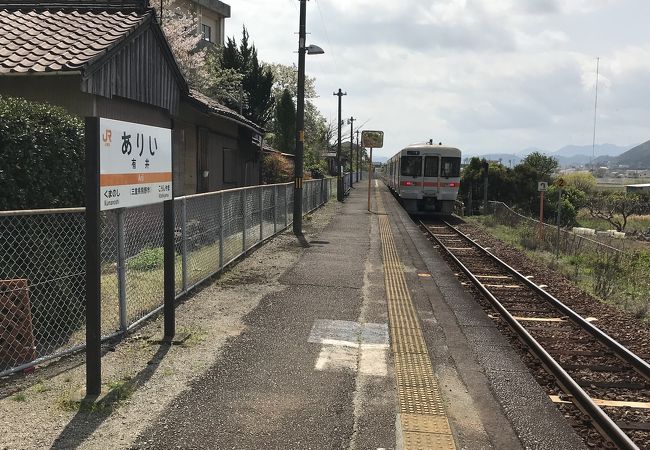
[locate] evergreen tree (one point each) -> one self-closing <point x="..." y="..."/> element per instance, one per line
<point x="257" y="79"/>
<point x="285" y="123"/>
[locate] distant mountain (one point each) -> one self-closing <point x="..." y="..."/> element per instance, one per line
<point x="527" y="151"/>
<point x="380" y="159"/>
<point x="636" y="158"/>
<point x="572" y="155"/>
<point x="586" y="150"/>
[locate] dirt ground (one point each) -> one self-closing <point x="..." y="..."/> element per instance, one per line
<point x="141" y="376"/>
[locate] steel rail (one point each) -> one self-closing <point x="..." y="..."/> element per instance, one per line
<point x="602" y="422"/>
<point x="640" y="365"/>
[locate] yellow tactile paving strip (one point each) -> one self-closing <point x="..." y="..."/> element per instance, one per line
<point x="422" y="413"/>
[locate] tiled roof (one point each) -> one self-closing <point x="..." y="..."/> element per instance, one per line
<point x="214" y="107"/>
<point x="48" y="40"/>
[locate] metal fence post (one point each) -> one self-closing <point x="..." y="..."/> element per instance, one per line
<point x="286" y="207"/>
<point x="121" y="269"/>
<point x="221" y="233"/>
<point x="243" y="210"/>
<point x="184" y="243"/>
<point x="261" y="188"/>
<point x="275" y="208"/>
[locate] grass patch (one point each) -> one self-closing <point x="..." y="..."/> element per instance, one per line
<point x="40" y="387"/>
<point x="147" y="259"/>
<point x="119" y="391"/>
<point x="622" y="280"/>
<point x="19" y="397"/>
<point x="197" y="336"/>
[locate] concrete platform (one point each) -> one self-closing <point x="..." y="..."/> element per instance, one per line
<point x="314" y="368"/>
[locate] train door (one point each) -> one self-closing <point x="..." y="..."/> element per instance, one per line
<point x="431" y="185"/>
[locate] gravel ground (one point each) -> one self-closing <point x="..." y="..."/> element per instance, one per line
<point x="622" y="326"/>
<point x="141" y="377"/>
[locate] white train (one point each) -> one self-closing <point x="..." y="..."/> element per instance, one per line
<point x="425" y="178"/>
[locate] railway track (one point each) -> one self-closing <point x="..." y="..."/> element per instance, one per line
<point x="603" y="379"/>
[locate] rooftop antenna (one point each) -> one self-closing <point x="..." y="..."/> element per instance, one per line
<point x="593" y="143"/>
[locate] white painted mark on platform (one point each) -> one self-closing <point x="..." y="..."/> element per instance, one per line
<point x="333" y="357"/>
<point x="351" y="346"/>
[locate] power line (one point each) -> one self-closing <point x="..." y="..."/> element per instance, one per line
<point x="327" y="36"/>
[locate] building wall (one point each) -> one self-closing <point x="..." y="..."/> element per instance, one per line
<point x="221" y="134"/>
<point x="218" y="146"/>
<point x="65" y="91"/>
<point x="141" y="71"/>
<point x="57" y="90"/>
<point x="215" y="22"/>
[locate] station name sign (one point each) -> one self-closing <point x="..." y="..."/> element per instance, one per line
<point x="135" y="164"/>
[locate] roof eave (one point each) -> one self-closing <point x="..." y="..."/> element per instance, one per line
<point x="207" y="110"/>
<point x="150" y="21"/>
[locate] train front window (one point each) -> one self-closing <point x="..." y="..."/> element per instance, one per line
<point x="430" y="166"/>
<point x="450" y="167"/>
<point x="411" y="166"/>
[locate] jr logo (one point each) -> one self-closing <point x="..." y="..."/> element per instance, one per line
<point x="107" y="137"/>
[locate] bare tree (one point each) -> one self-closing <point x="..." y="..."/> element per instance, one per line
<point x="615" y="207"/>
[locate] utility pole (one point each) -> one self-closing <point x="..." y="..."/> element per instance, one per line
<point x="298" y="161"/>
<point x="593" y="142"/>
<point x="486" y="168"/>
<point x="351" y="122"/>
<point x="339" y="174"/>
<point x="358" y="158"/>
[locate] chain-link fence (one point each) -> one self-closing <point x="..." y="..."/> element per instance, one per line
<point x="568" y="242"/>
<point x="42" y="297"/>
<point x="616" y="274"/>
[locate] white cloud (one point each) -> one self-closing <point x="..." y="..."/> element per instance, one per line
<point x="481" y="74"/>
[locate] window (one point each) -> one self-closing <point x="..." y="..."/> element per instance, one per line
<point x="411" y="166"/>
<point x="430" y="166"/>
<point x="207" y="32"/>
<point x="450" y="167"/>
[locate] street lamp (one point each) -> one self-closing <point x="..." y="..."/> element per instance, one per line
<point x="298" y="160"/>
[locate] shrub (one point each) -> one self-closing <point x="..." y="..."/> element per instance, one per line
<point x="276" y="169"/>
<point x="147" y="259"/>
<point x="42" y="154"/>
<point x="605" y="272"/>
<point x="528" y="238"/>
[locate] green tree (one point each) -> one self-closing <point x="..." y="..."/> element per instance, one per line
<point x="285" y="123"/>
<point x="42" y="153"/>
<point x="42" y="156"/>
<point x="572" y="200"/>
<point x="473" y="182"/>
<point x="524" y="186"/>
<point x="256" y="79"/>
<point x="543" y="165"/>
<point x="316" y="136"/>
<point x="583" y="181"/>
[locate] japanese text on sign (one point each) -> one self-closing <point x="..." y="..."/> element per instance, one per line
<point x="135" y="164"/>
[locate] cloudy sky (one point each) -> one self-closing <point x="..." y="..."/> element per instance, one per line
<point x="483" y="75"/>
